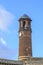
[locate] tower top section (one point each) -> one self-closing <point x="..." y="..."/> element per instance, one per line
<point x="25" y="17"/>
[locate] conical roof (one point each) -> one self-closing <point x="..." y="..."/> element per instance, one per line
<point x="25" y="16"/>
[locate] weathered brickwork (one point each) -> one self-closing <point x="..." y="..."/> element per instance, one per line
<point x="25" y="46"/>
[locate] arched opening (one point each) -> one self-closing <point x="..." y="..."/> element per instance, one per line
<point x="24" y="25"/>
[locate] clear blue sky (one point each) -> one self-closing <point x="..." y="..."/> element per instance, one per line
<point x="10" y="12"/>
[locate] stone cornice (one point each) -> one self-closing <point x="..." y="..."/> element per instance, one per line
<point x="10" y="61"/>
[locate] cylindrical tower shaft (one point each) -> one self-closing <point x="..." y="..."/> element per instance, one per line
<point x="25" y="46"/>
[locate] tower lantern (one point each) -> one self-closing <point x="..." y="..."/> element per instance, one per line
<point x="25" y="46"/>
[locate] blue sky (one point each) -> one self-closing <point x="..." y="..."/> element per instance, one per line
<point x="10" y="12"/>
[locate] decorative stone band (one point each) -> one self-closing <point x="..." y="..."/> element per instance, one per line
<point x="23" y="57"/>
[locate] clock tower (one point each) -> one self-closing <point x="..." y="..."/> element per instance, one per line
<point x="25" y="46"/>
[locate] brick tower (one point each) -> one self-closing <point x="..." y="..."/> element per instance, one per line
<point x="25" y="46"/>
